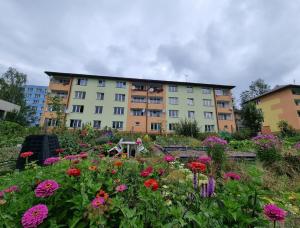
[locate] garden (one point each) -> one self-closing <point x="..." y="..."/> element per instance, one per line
<point x="82" y="186"/>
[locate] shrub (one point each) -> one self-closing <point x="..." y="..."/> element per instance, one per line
<point x="225" y="135"/>
<point x="243" y="145"/>
<point x="286" y="130"/>
<point x="242" y="134"/>
<point x="267" y="148"/>
<point x="187" y="127"/>
<point x="204" y="135"/>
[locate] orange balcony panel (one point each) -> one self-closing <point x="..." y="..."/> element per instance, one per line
<point x="156" y="106"/>
<point x="223" y="98"/>
<point x="138" y="93"/>
<point x="59" y="86"/>
<point x="225" y="110"/>
<point x="137" y="105"/>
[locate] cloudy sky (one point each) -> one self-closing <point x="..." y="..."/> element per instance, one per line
<point x="227" y="42"/>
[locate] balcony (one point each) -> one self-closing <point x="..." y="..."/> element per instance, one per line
<point x="59" y="86"/>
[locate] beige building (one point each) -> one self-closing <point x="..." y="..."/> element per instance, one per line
<point x="6" y="107"/>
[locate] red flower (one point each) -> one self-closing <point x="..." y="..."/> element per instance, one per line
<point x="60" y="150"/>
<point x="73" y="172"/>
<point x="146" y="172"/>
<point x="197" y="166"/>
<point x="113" y="171"/>
<point x="151" y="183"/>
<point x="26" y="154"/>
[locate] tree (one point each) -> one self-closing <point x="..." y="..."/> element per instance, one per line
<point x="257" y="88"/>
<point x="286" y="130"/>
<point x="12" y="84"/>
<point x="58" y="108"/>
<point x="252" y="117"/>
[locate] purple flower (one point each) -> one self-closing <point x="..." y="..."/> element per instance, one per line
<point x="121" y="188"/>
<point x="97" y="202"/>
<point x="51" y="161"/>
<point x="297" y="146"/>
<point x="195" y="180"/>
<point x="70" y="157"/>
<point x="46" y="188"/>
<point x="274" y="213"/>
<point x="266" y="141"/>
<point x="212" y="141"/>
<point x="34" y="216"/>
<point x="169" y="158"/>
<point x="232" y="176"/>
<point x="205" y="159"/>
<point x="207" y="190"/>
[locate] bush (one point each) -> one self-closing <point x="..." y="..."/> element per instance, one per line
<point x="187" y="127"/>
<point x="204" y="135"/>
<point x="225" y="135"/>
<point x="243" y="145"/>
<point x="242" y="134"/>
<point x="286" y="130"/>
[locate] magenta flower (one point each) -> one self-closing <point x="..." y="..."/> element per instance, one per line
<point x="274" y="213"/>
<point x="97" y="202"/>
<point x="13" y="188"/>
<point x="70" y="157"/>
<point x="121" y="188"/>
<point x="34" y="216"/>
<point x="83" y="155"/>
<point x="212" y="141"/>
<point x="297" y="146"/>
<point x="1" y="194"/>
<point x="266" y="141"/>
<point x="169" y="158"/>
<point x="232" y="176"/>
<point x="46" y="188"/>
<point x="205" y="159"/>
<point x="51" y="161"/>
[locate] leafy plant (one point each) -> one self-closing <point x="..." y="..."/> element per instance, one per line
<point x="187" y="127"/>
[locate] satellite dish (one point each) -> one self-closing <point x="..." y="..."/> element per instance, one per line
<point x="151" y="90"/>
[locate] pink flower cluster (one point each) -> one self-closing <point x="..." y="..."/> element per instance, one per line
<point x="146" y="172"/>
<point x="169" y="158"/>
<point x="232" y="176"/>
<point x="34" y="216"/>
<point x="297" y="146"/>
<point x="82" y="155"/>
<point x="51" y="160"/>
<point x="97" y="202"/>
<point x="274" y="213"/>
<point x="266" y="141"/>
<point x="13" y="188"/>
<point x="204" y="159"/>
<point x="121" y="188"/>
<point x="212" y="141"/>
<point x="46" y="188"/>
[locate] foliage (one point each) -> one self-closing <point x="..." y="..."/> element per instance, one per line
<point x="204" y="135"/>
<point x="242" y="145"/>
<point x="187" y="127"/>
<point x="256" y="88"/>
<point x="286" y="130"/>
<point x="172" y="140"/>
<point x="225" y="135"/>
<point x="58" y="108"/>
<point x="252" y="117"/>
<point x="242" y="134"/>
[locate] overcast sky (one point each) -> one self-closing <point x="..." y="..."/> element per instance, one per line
<point x="227" y="42"/>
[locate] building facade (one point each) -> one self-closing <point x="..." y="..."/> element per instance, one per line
<point x="139" y="105"/>
<point x="35" y="98"/>
<point x="281" y="103"/>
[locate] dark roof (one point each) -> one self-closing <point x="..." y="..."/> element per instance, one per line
<point x="274" y="90"/>
<point x="50" y="73"/>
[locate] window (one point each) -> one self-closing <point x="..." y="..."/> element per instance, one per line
<point x="121" y="84"/>
<point x="173" y="113"/>
<point x="35" y="101"/>
<point x="224" y="116"/>
<point x="118" y="110"/>
<point x="82" y="81"/>
<point x="98" y="109"/>
<point x="190" y="101"/>
<point x="257" y="102"/>
<point x="208" y="115"/>
<point x="50" y="108"/>
<point x="173" y="100"/>
<point x="296" y="91"/>
<point x="30" y="89"/>
<point x="138" y="99"/>
<point x="80" y="95"/>
<point x="75" y="123"/>
<point x="38" y="90"/>
<point x="119" y="97"/>
<point x="137" y="112"/>
<point x="297" y="102"/>
<point x="298" y="113"/>
<point x="139" y="87"/>
<point x="223" y="104"/>
<point x="206" y="91"/>
<point x="117" y="124"/>
<point x="37" y="95"/>
<point x="101" y="83"/>
<point x="172" y="88"/>
<point x="189" y="89"/>
<point x="172" y="126"/>
<point x="28" y="95"/>
<point x="78" y="108"/>
<point x="209" y="128"/>
<point x="191" y="114"/>
<point x="97" y="124"/>
<point x="222" y="92"/>
<point x="61" y="94"/>
<point x="155" y="100"/>
<point x="207" y="102"/>
<point x="155" y="113"/>
<point x="34" y="108"/>
<point x="155" y="126"/>
<point x="51" y="122"/>
<point x="100" y="96"/>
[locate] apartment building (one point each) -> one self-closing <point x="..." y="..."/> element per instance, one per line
<point x="281" y="103"/>
<point x="35" y="98"/>
<point x="139" y="105"/>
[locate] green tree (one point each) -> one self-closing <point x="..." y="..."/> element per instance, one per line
<point x="256" y="88"/>
<point x="252" y="117"/>
<point x="286" y="130"/>
<point x="12" y="84"/>
<point x="58" y="108"/>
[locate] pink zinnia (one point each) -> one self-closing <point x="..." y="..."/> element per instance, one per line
<point x="34" y="216"/>
<point x="46" y="188"/>
<point x="70" y="157"/>
<point x="232" y="176"/>
<point x="97" y="202"/>
<point x="83" y="155"/>
<point x="146" y="172"/>
<point x="204" y="159"/>
<point x="121" y="188"/>
<point x="51" y="161"/>
<point x="274" y="213"/>
<point x="13" y="188"/>
<point x="169" y="158"/>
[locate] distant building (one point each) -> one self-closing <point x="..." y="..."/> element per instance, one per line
<point x="139" y="105"/>
<point x="6" y="107"/>
<point x="281" y="103"/>
<point x="238" y="120"/>
<point x="35" y="97"/>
